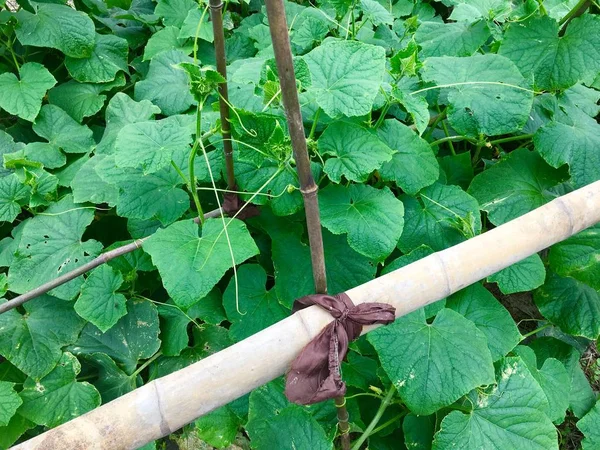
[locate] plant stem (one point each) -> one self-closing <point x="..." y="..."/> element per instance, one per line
<point x="370" y="429"/>
<point x="445" y="128"/>
<point x="537" y="330"/>
<point x="433" y="125"/>
<point x="216" y="15"/>
<point x="192" y="157"/>
<point x="511" y="139"/>
<point x="577" y="10"/>
<point x="313" y="128"/>
<point x="450" y="139"/>
<point x="146" y="364"/>
<point x="98" y="261"/>
<point x="388" y="423"/>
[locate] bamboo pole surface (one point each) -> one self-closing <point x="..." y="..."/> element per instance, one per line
<point x="168" y="403"/>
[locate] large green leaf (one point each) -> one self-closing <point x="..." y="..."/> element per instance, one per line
<point x="166" y="85"/>
<point x="510" y="414"/>
<point x="79" y="100"/>
<point x="346" y="76"/>
<point x="112" y="382"/>
<point x="418" y="431"/>
<point x="33" y="341"/>
<point x="191" y="25"/>
<point x="413" y="166"/>
<point x="219" y="427"/>
<point x="133" y="337"/>
<point x="58" y="397"/>
<point x="571" y="305"/>
<point x="13" y="194"/>
<point x="522" y="276"/>
<point x="57" y="26"/>
<point x="202" y="260"/>
<point x="151" y="144"/>
<point x="372" y="218"/>
<point x="108" y="57"/>
<point x="256" y="308"/>
<point x="50" y="246"/>
<point x="433" y="365"/>
<point x="555" y="62"/>
<point x="122" y="110"/>
<point x="63" y="132"/>
<point x="579" y="257"/>
<point x="515" y="185"/>
<point x="442" y="217"/>
<point x="87" y="186"/>
<point x="355" y="151"/>
<point x="23" y="96"/>
<point x="451" y="39"/>
<point x="174" y="12"/>
<point x="99" y="302"/>
<point x="478" y="305"/>
<point x="9" y="402"/>
<point x="486" y="93"/>
<point x="588" y="425"/>
<point x="554" y="380"/>
<point x="572" y="140"/>
<point x="166" y="39"/>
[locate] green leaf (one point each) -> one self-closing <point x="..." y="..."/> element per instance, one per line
<point x="108" y="57"/>
<point x="375" y="13"/>
<point x="581" y="396"/>
<point x="112" y="382"/>
<point x="413" y="166"/>
<point x="486" y="93"/>
<point x="121" y="111"/>
<point x="209" y="309"/>
<point x="202" y="260"/>
<point x="572" y="140"/>
<point x="174" y="12"/>
<point x="151" y="144"/>
<point x="87" y="185"/>
<point x="511" y="413"/>
<point x="458" y="169"/>
<point x="79" y="100"/>
<point x="588" y="425"/>
<point x="555" y="62"/>
<point x="478" y="305"/>
<point x="33" y="341"/>
<point x="9" y="402"/>
<point x="218" y="428"/>
<point x="13" y="431"/>
<point x="571" y="305"/>
<point x="416" y="106"/>
<point x="13" y="193"/>
<point x="418" y="431"/>
<point x="257" y="308"/>
<point x="372" y="218"/>
<point x="23" y="97"/>
<point x="57" y="26"/>
<point x="164" y="40"/>
<point x="517" y="184"/>
<point x="554" y="380"/>
<point x="582" y="98"/>
<point x="166" y="85"/>
<point x="189" y="29"/>
<point x="578" y="257"/>
<point x="152" y="196"/>
<point x="356" y="152"/>
<point x="292" y="428"/>
<point x="50" y="246"/>
<point x="433" y="365"/>
<point x="360" y="371"/>
<point x="451" y="39"/>
<point x="62" y="132"/>
<point x="522" y="276"/>
<point x="174" y="329"/>
<point x="346" y="76"/>
<point x="442" y="217"/>
<point x="132" y="338"/>
<point x="58" y="397"/>
<point x="99" y="302"/>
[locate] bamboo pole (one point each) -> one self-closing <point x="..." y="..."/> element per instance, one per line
<point x="166" y="404"/>
<point x="216" y="15"/>
<point x="98" y="261"/>
<point x="287" y="80"/>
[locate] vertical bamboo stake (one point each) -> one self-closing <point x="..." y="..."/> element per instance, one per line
<point x="308" y="187"/>
<point x="216" y="15"/>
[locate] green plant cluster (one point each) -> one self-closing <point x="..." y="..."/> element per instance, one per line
<point x="428" y="123"/>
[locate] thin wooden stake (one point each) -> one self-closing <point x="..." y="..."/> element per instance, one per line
<point x="287" y="80"/>
<point x="216" y="15"/>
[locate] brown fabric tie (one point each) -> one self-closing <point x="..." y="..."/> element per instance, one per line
<point x="232" y="204"/>
<point x="315" y="373"/>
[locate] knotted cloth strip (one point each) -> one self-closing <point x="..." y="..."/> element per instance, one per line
<point x="315" y="373"/>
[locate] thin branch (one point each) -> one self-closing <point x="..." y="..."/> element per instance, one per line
<point x="102" y="259"/>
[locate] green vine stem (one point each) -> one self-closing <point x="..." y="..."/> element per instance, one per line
<point x="191" y="159"/>
<point x="371" y="428"/>
<point x="577" y="10"/>
<point x="511" y="139"/>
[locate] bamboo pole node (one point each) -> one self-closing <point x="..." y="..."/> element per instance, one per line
<point x="310" y="191"/>
<point x="216" y="6"/>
